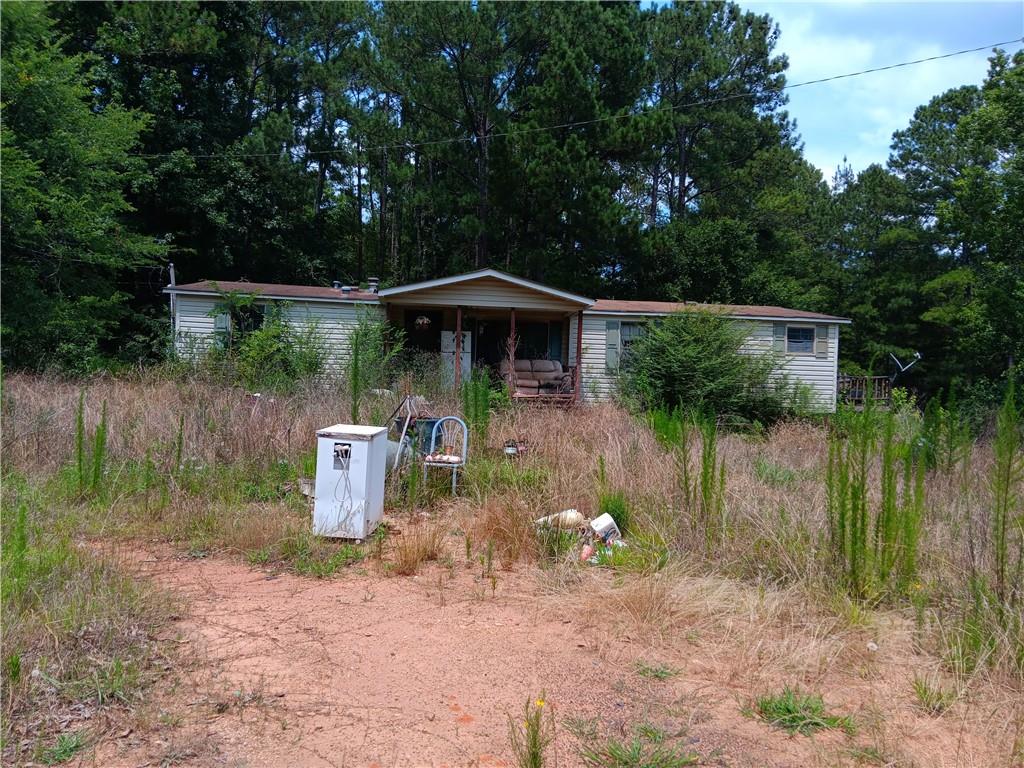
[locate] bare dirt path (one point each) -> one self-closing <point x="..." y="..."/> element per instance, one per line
<point x="369" y="670"/>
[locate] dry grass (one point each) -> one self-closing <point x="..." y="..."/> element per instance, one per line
<point x="415" y="545"/>
<point x="762" y="608"/>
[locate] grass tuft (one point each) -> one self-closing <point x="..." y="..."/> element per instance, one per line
<point x="655" y="671"/>
<point x="796" y="712"/>
<point x="415" y="546"/>
<point x="635" y="754"/>
<point x="931" y="697"/>
<point x="66" y="747"/>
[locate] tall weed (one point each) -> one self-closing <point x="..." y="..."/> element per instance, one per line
<point x="873" y="544"/>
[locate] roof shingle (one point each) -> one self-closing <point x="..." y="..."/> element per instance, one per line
<point x="276" y="290"/>
<point x="733" y="310"/>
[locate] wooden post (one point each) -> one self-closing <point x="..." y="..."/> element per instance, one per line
<point x="511" y="349"/>
<point x="174" y="302"/>
<point x="512" y="337"/>
<point x="579" y="357"/>
<point x="458" y="349"/>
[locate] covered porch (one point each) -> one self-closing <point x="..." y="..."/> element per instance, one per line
<point x="516" y="329"/>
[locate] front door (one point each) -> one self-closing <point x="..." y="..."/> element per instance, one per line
<point x="448" y="353"/>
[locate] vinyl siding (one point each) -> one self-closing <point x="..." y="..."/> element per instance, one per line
<point x="193" y="325"/>
<point x="818" y="374"/>
<point x="484" y="292"/>
<point x="596" y="385"/>
<point x="195" y="328"/>
<point x="334" y="323"/>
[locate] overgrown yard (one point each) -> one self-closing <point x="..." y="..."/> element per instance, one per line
<point x="784" y="598"/>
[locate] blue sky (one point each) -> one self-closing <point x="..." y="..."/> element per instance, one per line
<point x="856" y="117"/>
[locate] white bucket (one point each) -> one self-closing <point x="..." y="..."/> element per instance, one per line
<point x="604" y="527"/>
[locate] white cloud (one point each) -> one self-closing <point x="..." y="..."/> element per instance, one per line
<point x="856" y="117"/>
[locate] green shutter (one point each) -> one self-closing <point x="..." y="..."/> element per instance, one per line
<point x="779" y="340"/>
<point x="611" y="352"/>
<point x="821" y="341"/>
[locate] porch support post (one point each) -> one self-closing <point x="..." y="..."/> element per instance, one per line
<point x="512" y="336"/>
<point x="458" y="349"/>
<point x="579" y="357"/>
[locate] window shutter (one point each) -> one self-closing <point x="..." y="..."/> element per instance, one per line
<point x="611" y="353"/>
<point x="821" y="341"/>
<point x="779" y="339"/>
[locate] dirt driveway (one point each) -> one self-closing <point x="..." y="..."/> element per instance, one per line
<point x="370" y="670"/>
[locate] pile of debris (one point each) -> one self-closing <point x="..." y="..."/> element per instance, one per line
<point x="599" y="536"/>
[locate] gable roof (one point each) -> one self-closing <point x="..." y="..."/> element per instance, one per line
<point x="745" y="311"/>
<point x="493" y="274"/>
<point x="590" y="306"/>
<point x="274" y="291"/>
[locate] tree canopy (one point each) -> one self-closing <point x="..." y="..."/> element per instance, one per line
<point x="606" y="148"/>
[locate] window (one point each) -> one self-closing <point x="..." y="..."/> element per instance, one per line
<point x="800" y="339"/>
<point x="629" y="333"/>
<point x="620" y="335"/>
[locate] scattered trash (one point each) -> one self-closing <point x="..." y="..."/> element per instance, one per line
<point x="306" y="486"/>
<point x="604" y="528"/>
<point x="565" y="520"/>
<point x="872" y="646"/>
<point x="515" y="447"/>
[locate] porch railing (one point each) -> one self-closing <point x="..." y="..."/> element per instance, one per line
<point x="855" y="390"/>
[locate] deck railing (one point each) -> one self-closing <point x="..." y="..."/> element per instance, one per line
<point x="855" y="390"/>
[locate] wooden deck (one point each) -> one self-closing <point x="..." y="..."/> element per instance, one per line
<point x="856" y="390"/>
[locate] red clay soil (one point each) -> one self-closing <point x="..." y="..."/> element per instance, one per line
<point x="370" y="670"/>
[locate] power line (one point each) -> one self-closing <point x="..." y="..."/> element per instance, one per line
<point x="579" y="123"/>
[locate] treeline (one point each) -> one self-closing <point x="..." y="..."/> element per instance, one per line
<point x="610" y="149"/>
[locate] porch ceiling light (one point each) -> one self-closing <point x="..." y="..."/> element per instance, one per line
<point x="422" y="322"/>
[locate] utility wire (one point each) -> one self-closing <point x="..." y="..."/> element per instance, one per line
<point x="578" y="123"/>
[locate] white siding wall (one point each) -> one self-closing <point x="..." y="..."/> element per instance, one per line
<point x="818" y="374"/>
<point x="597" y="384"/>
<point x="334" y="321"/>
<point x="193" y="324"/>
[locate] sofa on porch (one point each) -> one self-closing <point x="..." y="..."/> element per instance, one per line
<point x="536" y="377"/>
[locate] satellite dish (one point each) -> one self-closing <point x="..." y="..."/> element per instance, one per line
<point x="900" y="367"/>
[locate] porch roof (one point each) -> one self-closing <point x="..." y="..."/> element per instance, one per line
<point x="485" y="288"/>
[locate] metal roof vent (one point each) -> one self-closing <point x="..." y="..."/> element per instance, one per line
<point x="374" y="283"/>
<point x="346" y="289"/>
<point x="336" y="284"/>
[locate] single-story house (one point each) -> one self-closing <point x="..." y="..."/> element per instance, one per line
<point x="472" y="316"/>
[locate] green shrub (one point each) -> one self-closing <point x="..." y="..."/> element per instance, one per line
<point x="374" y="346"/>
<point x="693" y="360"/>
<point x="277" y="355"/>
